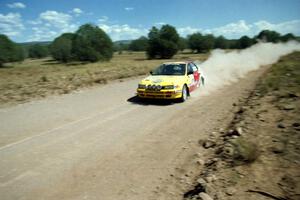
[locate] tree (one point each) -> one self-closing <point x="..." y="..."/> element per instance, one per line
<point x="233" y="44"/>
<point x="244" y="42"/>
<point x="208" y="42"/>
<point x="195" y="41"/>
<point x="139" y="44"/>
<point x="92" y="44"/>
<point x="201" y="43"/>
<point x="38" y="51"/>
<point x="9" y="51"/>
<point x="268" y="36"/>
<point x="287" y="37"/>
<point x="182" y="44"/>
<point x="19" y="54"/>
<point x="61" y="47"/>
<point x="153" y="43"/>
<point x="120" y="46"/>
<point x="162" y="43"/>
<point x="221" y="43"/>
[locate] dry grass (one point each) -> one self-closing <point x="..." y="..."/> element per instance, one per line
<point x="20" y="82"/>
<point x="241" y="151"/>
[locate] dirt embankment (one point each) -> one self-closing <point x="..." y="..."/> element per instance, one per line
<point x="258" y="155"/>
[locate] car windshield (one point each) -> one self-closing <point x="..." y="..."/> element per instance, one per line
<point x="170" y="69"/>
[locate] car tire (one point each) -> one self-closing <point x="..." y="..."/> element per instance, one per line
<point x="184" y="94"/>
<point x="202" y="80"/>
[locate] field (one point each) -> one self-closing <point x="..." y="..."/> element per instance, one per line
<point x="31" y="79"/>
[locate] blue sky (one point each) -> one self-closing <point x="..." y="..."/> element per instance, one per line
<point x="43" y="20"/>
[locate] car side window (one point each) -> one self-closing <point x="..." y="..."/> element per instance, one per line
<point x="195" y="68"/>
<point x="190" y="68"/>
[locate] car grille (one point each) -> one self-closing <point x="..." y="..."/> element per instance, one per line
<point x="156" y="94"/>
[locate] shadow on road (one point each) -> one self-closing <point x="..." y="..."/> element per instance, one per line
<point x="147" y="102"/>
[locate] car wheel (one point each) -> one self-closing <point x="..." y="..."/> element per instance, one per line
<point x="202" y="80"/>
<point x="184" y="94"/>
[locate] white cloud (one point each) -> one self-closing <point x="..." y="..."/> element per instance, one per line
<point x="11" y="24"/>
<point x="129" y="8"/>
<point x="237" y="29"/>
<point x="232" y="30"/>
<point x="123" y="32"/>
<point x="34" y="22"/>
<point x="103" y="19"/>
<point x="283" y="27"/>
<point x="58" y="20"/>
<point x="50" y="24"/>
<point x="77" y="11"/>
<point x="42" y="34"/>
<point x="16" y="5"/>
<point x="160" y="23"/>
<point x="184" y="31"/>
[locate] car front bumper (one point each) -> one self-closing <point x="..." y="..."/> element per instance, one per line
<point x="162" y="94"/>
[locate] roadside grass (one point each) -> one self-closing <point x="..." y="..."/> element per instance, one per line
<point x="244" y="151"/>
<point x="284" y="76"/>
<point x="283" y="80"/>
<point x="37" y="78"/>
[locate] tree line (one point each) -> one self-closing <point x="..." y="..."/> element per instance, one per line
<point x="90" y="43"/>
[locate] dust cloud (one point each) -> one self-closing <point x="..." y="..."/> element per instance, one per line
<point x="223" y="68"/>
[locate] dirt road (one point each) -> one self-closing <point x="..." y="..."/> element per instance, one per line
<point x="101" y="143"/>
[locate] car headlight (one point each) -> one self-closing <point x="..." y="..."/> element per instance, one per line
<point x="141" y="86"/>
<point x="169" y="87"/>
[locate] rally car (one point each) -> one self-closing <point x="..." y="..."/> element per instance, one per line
<point x="172" y="80"/>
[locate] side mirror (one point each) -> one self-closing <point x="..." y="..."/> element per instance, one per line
<point x="151" y="72"/>
<point x="189" y="73"/>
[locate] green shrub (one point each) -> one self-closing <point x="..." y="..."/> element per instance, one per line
<point x="201" y="43"/>
<point x="163" y="43"/>
<point x="92" y="44"/>
<point x="9" y="51"/>
<point x="140" y="44"/>
<point x="89" y="43"/>
<point x="38" y="51"/>
<point x="61" y="47"/>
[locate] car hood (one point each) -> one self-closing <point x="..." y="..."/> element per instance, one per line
<point x="163" y="80"/>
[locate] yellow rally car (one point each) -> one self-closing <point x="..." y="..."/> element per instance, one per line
<point x="173" y="80"/>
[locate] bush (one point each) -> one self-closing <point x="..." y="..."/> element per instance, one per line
<point x="194" y="42"/>
<point x="240" y="151"/>
<point x="92" y="44"/>
<point x="89" y="43"/>
<point x="287" y="37"/>
<point x="38" y="51"/>
<point x="120" y="47"/>
<point x="61" y="47"/>
<point x="9" y="51"/>
<point x="162" y="43"/>
<point x="200" y="43"/>
<point x="19" y="54"/>
<point x="221" y="43"/>
<point x="208" y="42"/>
<point x="244" y="42"/>
<point x="140" y="44"/>
<point x="269" y="36"/>
<point x="182" y="44"/>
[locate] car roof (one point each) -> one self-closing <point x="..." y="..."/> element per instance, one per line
<point x="178" y="62"/>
